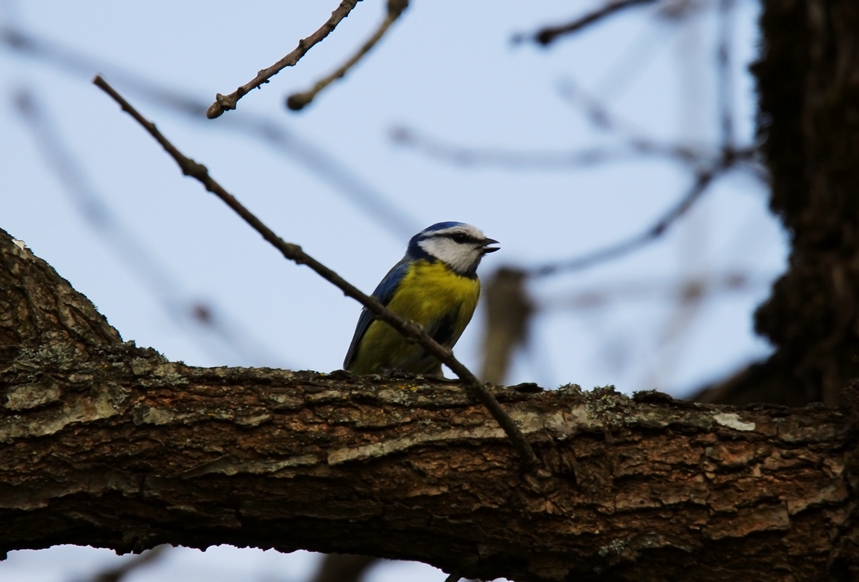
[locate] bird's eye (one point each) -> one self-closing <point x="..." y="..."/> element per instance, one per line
<point x="459" y="238"/>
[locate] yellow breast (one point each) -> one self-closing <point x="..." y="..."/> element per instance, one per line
<point x="432" y="295"/>
<point x="431" y="290"/>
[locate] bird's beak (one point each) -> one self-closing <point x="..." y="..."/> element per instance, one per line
<point x="487" y="249"/>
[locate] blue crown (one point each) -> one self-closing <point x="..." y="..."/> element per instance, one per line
<point x="439" y="226"/>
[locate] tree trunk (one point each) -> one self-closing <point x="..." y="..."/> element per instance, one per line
<point x="808" y="120"/>
<point x="110" y="445"/>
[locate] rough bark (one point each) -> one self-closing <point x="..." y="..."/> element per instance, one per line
<point x="111" y="445"/>
<point x="808" y="121"/>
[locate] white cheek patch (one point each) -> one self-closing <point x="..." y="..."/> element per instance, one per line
<point x="460" y="257"/>
<point x="429" y="247"/>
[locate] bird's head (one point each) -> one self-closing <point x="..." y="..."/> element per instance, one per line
<point x="458" y="245"/>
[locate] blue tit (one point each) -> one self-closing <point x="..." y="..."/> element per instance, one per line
<point x="435" y="285"/>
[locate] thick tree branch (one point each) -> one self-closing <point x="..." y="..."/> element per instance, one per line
<point x="111" y="445"/>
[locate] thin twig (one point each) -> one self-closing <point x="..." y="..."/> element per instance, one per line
<point x="297" y="101"/>
<point x="650" y="290"/>
<point x="227" y="102"/>
<point x="545" y="160"/>
<point x="549" y="34"/>
<point x="724" y="73"/>
<point x="595" y="112"/>
<point x="294" y="253"/>
<point x="605" y="120"/>
<point x="702" y="181"/>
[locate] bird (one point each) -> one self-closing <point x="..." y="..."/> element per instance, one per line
<point x="435" y="284"/>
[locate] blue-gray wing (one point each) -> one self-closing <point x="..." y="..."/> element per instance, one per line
<point x="384" y="293"/>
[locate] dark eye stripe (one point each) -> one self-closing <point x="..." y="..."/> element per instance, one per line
<point x="459" y="237"/>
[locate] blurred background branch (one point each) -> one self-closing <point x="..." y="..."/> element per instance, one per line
<point x="549" y="34"/>
<point x="652" y="233"/>
<point x="133" y="565"/>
